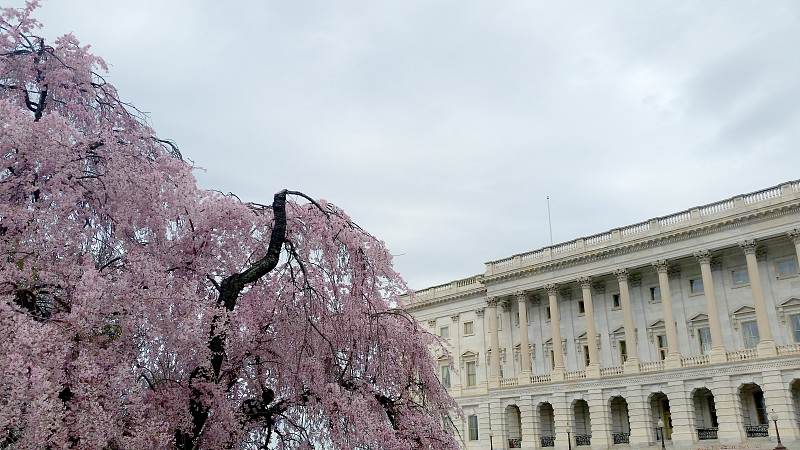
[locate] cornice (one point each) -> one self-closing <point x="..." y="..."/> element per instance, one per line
<point x="674" y="236"/>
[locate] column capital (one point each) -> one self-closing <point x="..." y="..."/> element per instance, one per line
<point x="749" y="246"/>
<point x="505" y="305"/>
<point x="492" y="301"/>
<point x="703" y="256"/>
<point x="455" y="318"/>
<point x="552" y="289"/>
<point x="621" y="274"/>
<point x="521" y="296"/>
<point x="431" y="323"/>
<point x="479" y="312"/>
<point x="794" y="235"/>
<point x="661" y="266"/>
<point x="586" y="282"/>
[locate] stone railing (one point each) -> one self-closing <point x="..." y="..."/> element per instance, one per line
<point x="507" y="382"/>
<point x="575" y="375"/>
<point x="538" y="379"/>
<point x="653" y="366"/>
<point x="610" y="371"/>
<point x="742" y="355"/>
<point x="694" y="361"/>
<point x="648" y="228"/>
<point x="424" y="295"/>
<point x="789" y="350"/>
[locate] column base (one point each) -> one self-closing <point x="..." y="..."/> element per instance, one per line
<point x="593" y="371"/>
<point x="767" y="349"/>
<point x="631" y="366"/>
<point x="494" y="382"/>
<point x="557" y="374"/>
<point x="718" y="355"/>
<point x="673" y="361"/>
<point x="524" y="378"/>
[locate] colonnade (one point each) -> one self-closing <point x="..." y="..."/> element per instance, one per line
<point x="718" y="353"/>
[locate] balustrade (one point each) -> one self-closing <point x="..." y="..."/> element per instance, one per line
<point x="742" y="355"/>
<point x="506" y="382"/>
<point x="694" y="361"/>
<point x="704" y="434"/>
<point x="621" y="438"/>
<point x="756" y="430"/>
<point x="789" y="350"/>
<point x="575" y="375"/>
<point x="652" y="366"/>
<point x="610" y="371"/>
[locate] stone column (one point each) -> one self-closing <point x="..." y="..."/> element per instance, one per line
<point x="766" y="345"/>
<point x="455" y="339"/>
<point x="555" y="325"/>
<point x="494" y="339"/>
<point x="673" y="360"/>
<point x="524" y="343"/>
<point x="591" y="332"/>
<point x="717" y="353"/>
<point x="794" y="235"/>
<point x="681" y="410"/>
<point x="632" y="364"/>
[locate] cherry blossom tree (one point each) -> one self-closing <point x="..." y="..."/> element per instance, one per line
<point x="138" y="311"/>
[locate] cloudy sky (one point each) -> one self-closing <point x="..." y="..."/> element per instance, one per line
<point x="442" y="126"/>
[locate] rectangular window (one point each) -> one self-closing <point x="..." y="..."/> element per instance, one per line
<point x="586" y="355"/>
<point x="615" y="301"/>
<point x="552" y="359"/>
<point x="581" y="307"/>
<point x="787" y="268"/>
<point x="662" y="346"/>
<point x="469" y="328"/>
<point x="750" y="333"/>
<point x="444" y="332"/>
<point x="761" y="407"/>
<point x="796" y="327"/>
<point x="446" y="376"/>
<point x="516" y="319"/>
<point x="696" y="285"/>
<point x="623" y="351"/>
<point x="473" y="427"/>
<point x="548" y="313"/>
<point x="472" y="373"/>
<point x="740" y="277"/>
<point x="655" y="293"/>
<point x="704" y="337"/>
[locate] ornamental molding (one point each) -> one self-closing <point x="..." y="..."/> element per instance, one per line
<point x="455" y="318"/>
<point x="585" y="282"/>
<point x="703" y="256"/>
<point x="479" y="312"/>
<point x="675" y="236"/>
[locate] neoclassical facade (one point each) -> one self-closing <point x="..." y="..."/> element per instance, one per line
<point x="685" y="326"/>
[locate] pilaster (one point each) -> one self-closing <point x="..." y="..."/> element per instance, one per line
<point x="681" y="410"/>
<point x="527" y="423"/>
<point x="600" y="416"/>
<point x="778" y="398"/>
<point x="673" y="360"/>
<point x="593" y="370"/>
<point x="729" y="414"/>
<point x="639" y="416"/>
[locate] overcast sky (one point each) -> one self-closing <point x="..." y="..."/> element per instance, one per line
<point x="441" y="126"/>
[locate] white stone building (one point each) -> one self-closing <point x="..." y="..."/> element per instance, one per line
<point x="690" y="321"/>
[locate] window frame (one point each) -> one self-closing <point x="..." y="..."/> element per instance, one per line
<point x="444" y="330"/>
<point x="472" y="375"/>
<point x="445" y="372"/>
<point x="753" y="338"/>
<point x="781" y="275"/>
<point x="471" y="325"/>
<point x="472" y="427"/>
<point x="616" y="301"/>
<point x="692" y="284"/>
<point x="653" y="290"/>
<point x="737" y="284"/>
<point x="705" y="347"/>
